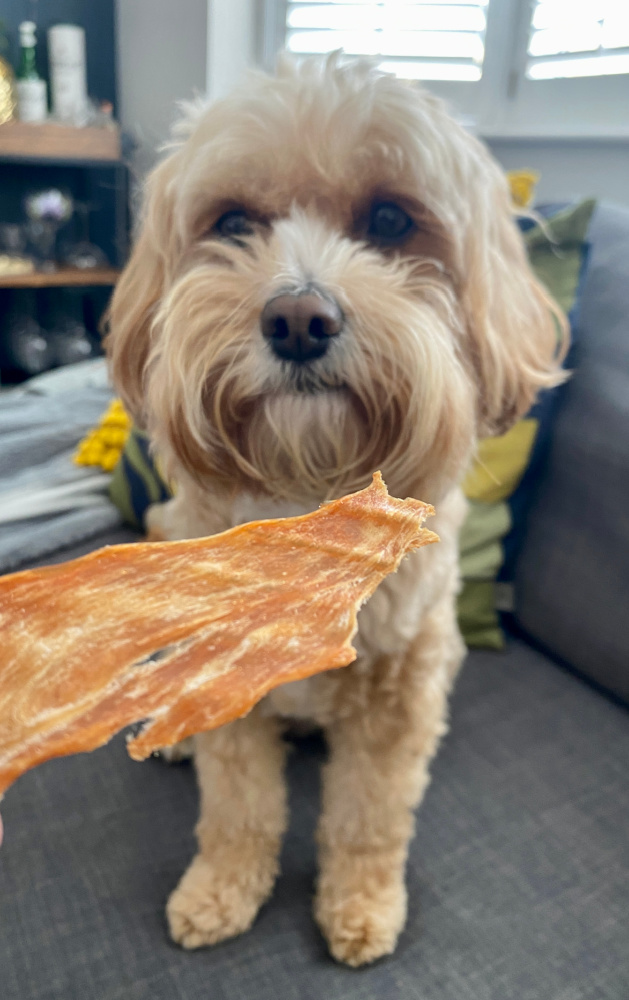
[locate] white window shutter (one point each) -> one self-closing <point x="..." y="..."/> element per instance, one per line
<point x="417" y="39"/>
<point x="578" y="38"/>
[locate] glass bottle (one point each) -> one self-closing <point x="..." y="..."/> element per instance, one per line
<point x="68" y="336"/>
<point x="84" y="254"/>
<point x="27" y="348"/>
<point x="31" y="89"/>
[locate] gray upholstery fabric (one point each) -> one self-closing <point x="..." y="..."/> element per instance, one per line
<point x="46" y="501"/>
<point x="518" y="876"/>
<point x="572" y="583"/>
<point x="118" y="536"/>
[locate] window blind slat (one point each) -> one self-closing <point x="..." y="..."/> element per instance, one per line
<point x="551" y="42"/>
<point x="440" y="45"/>
<point x="381" y="3"/>
<point x="559" y="14"/>
<point x="603" y="65"/>
<point x="418" y="69"/>
<point x="403" y="17"/>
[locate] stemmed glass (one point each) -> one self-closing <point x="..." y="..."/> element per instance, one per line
<point x="47" y="211"/>
<point x="85" y="254"/>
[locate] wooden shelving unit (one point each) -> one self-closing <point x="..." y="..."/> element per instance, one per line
<point x="48" y="141"/>
<point x="64" y="277"/>
<point x="90" y="164"/>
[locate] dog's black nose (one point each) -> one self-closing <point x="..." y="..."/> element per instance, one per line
<point x="299" y="327"/>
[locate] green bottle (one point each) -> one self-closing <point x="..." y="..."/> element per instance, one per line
<point x="31" y="89"/>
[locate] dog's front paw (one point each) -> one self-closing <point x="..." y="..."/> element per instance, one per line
<point x="214" y="901"/>
<point x="360" y="916"/>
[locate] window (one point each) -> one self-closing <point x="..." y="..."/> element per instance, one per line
<point x="421" y="40"/>
<point x="514" y="69"/>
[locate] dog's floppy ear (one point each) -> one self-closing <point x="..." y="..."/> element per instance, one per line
<point x="518" y="334"/>
<point x="137" y="295"/>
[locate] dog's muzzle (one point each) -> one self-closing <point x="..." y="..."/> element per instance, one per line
<point x="299" y="327"/>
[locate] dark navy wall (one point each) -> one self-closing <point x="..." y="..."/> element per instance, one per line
<point x="96" y="16"/>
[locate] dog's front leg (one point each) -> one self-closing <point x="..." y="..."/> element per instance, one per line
<point x="375" y="777"/>
<point x="240" y="770"/>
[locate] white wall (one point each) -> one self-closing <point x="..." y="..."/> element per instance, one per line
<point x="162" y="59"/>
<point x="570" y="169"/>
<point x="232" y="27"/>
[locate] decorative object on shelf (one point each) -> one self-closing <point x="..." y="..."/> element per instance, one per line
<point x="12" y="239"/>
<point x="105" y="116"/>
<point x="12" y="246"/>
<point x="26" y="346"/>
<point x="16" y="266"/>
<point x="68" y="75"/>
<point x="31" y="89"/>
<point x="47" y="211"/>
<point x="8" y="99"/>
<point x="84" y="254"/>
<point x="66" y="331"/>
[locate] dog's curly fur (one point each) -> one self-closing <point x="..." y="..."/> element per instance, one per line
<point x="447" y="336"/>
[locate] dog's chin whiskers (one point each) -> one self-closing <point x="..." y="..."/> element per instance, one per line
<point x="304" y="380"/>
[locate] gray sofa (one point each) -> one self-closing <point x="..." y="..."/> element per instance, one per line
<point x="519" y="872"/>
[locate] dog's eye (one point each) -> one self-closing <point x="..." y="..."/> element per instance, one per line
<point x="234" y="224"/>
<point x="388" y="222"/>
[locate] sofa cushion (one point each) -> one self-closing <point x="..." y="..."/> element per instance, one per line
<point x="518" y="876"/>
<point x="502" y="480"/>
<point x="572" y="577"/>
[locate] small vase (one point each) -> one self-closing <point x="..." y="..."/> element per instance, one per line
<point x="42" y="234"/>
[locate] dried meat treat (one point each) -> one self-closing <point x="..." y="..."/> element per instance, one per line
<point x="188" y="635"/>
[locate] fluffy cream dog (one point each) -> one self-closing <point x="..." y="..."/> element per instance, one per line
<point x="328" y="281"/>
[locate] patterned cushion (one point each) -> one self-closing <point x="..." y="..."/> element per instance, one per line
<point x="499" y="485"/>
<point x="136" y="482"/>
